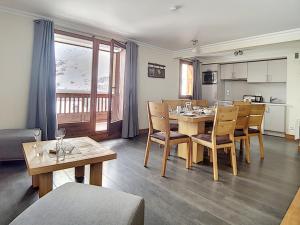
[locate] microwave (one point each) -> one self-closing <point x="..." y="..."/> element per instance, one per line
<point x="209" y="77"/>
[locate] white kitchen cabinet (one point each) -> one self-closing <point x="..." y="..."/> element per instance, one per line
<point x="226" y="71"/>
<point x="274" y="119"/>
<point x="235" y="71"/>
<point x="277" y="70"/>
<point x="257" y="71"/>
<point x="240" y="71"/>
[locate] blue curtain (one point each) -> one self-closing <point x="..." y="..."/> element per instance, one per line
<point x="42" y="99"/>
<point x="197" y="81"/>
<point x="130" y="127"/>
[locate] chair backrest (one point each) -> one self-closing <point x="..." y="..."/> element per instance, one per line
<point x="225" y="121"/>
<point x="257" y="112"/>
<point x="242" y="121"/>
<point x="172" y="104"/>
<point x="200" y="102"/>
<point x="158" y="115"/>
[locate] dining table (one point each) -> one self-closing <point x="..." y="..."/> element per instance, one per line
<point x="191" y="124"/>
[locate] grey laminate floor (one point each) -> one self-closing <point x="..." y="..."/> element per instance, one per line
<point x="259" y="195"/>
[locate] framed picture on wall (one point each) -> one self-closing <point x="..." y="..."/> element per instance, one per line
<point x="156" y="70"/>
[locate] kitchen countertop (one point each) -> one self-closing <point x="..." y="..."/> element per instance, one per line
<point x="270" y="103"/>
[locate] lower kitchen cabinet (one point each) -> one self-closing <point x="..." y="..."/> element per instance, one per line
<point x="274" y="120"/>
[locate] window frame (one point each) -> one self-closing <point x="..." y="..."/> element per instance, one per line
<point x="88" y="128"/>
<point x="183" y="61"/>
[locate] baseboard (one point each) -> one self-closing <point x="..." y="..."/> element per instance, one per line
<point x="143" y="131"/>
<point x="290" y="137"/>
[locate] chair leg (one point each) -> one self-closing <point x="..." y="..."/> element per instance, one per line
<point x="188" y="157"/>
<point x="191" y="154"/>
<point x="261" y="146"/>
<point x="164" y="160"/>
<point x="147" y="151"/>
<point x="241" y="144"/>
<point x="233" y="160"/>
<point x="247" y="150"/>
<point x="215" y="163"/>
<point x="188" y="162"/>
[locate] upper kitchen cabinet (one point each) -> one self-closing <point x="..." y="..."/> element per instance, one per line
<point x="226" y="71"/>
<point x="258" y="71"/>
<point x="240" y="71"/>
<point x="267" y="71"/>
<point x="236" y="71"/>
<point x="277" y="70"/>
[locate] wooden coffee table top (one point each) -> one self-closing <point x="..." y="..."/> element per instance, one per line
<point x="87" y="151"/>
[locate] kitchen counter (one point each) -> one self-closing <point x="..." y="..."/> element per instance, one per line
<point x="270" y="103"/>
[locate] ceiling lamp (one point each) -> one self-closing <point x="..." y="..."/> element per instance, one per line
<point x="238" y="52"/>
<point x="175" y="8"/>
<point x="195" y="45"/>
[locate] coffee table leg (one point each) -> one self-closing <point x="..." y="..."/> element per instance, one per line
<point x="96" y="174"/>
<point x="35" y="181"/>
<point x="79" y="172"/>
<point x="45" y="183"/>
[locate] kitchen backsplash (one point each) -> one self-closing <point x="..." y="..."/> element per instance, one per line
<point x="234" y="90"/>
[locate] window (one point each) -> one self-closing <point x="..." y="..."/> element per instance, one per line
<point x="186" y="79"/>
<point x="89" y="83"/>
<point x="73" y="79"/>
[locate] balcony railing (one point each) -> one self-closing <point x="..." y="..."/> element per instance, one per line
<point x="75" y="107"/>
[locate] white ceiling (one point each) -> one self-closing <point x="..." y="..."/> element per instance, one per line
<point x="151" y="21"/>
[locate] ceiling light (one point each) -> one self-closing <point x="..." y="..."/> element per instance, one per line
<point x="238" y="52"/>
<point x="175" y="7"/>
<point x="195" y="45"/>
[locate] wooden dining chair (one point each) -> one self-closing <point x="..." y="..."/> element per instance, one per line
<point x="241" y="128"/>
<point x="158" y="115"/>
<point x="200" y="102"/>
<point x="257" y="112"/>
<point x="172" y="105"/>
<point x="222" y="136"/>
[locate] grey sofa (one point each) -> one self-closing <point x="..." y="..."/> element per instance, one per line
<point x="11" y="143"/>
<point x="82" y="204"/>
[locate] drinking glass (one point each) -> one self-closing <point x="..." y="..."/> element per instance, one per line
<point x="36" y="134"/>
<point x="60" y="134"/>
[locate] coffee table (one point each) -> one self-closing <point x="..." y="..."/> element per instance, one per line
<point x="87" y="151"/>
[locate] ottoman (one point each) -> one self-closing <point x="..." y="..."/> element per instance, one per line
<point x="11" y="143"/>
<point x="82" y="204"/>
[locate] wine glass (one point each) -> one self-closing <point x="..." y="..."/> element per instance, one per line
<point x="60" y="134"/>
<point x="36" y="134"/>
<point x="37" y="137"/>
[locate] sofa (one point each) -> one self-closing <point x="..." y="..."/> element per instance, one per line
<point x="84" y="204"/>
<point x="11" y="143"/>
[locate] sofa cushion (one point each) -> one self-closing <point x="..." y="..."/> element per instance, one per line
<point x="11" y="143"/>
<point x="83" y="204"/>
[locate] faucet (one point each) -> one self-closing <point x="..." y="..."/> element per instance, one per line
<point x="273" y="99"/>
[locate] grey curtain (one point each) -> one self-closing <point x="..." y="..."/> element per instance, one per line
<point x="42" y="102"/>
<point x="130" y="127"/>
<point x="197" y="81"/>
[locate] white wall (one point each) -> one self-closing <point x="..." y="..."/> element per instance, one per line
<point x="15" y="63"/>
<point x="155" y="89"/>
<point x="16" y="38"/>
<point x="288" y="50"/>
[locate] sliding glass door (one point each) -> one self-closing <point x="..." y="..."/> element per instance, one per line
<point x="89" y="84"/>
<point x="116" y="85"/>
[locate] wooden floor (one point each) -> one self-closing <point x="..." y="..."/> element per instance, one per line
<point x="260" y="194"/>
